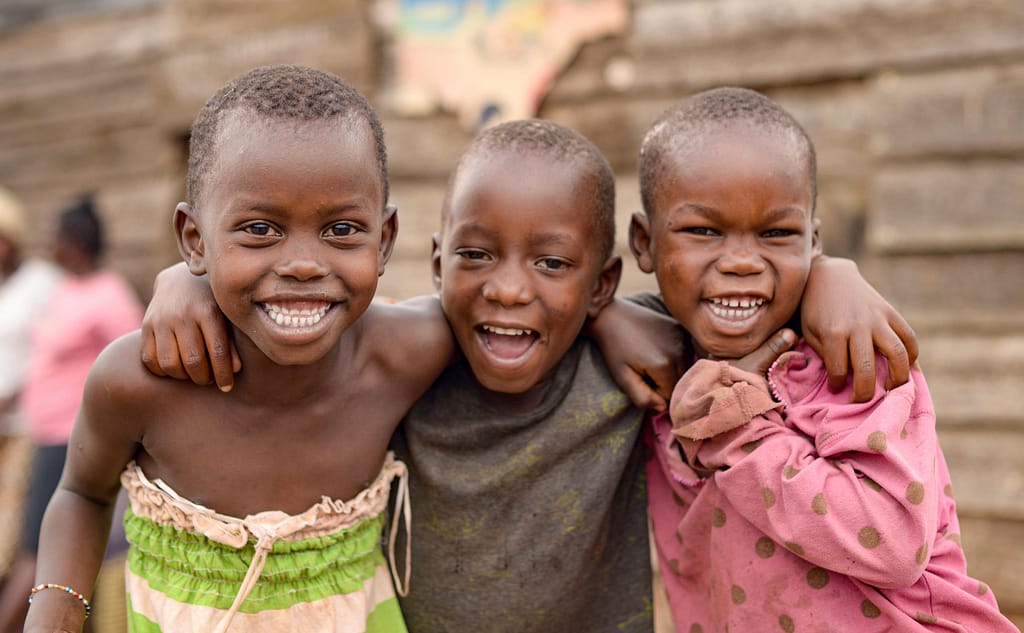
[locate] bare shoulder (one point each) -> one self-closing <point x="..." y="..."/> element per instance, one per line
<point x="120" y="386"/>
<point x="411" y="338"/>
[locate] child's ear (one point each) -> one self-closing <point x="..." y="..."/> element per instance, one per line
<point x="190" y="239"/>
<point x="388" y="234"/>
<point x="607" y="284"/>
<point x="640" y="241"/>
<point x="816" y="237"/>
<point x="435" y="261"/>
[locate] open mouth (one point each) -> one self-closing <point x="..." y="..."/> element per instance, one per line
<point x="507" y="343"/>
<point x="735" y="308"/>
<point x="296" y="316"/>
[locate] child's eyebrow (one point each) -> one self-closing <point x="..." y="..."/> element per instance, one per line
<point x="277" y="209"/>
<point x="544" y="239"/>
<point x="770" y="216"/>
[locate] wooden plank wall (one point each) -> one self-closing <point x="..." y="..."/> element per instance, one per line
<point x="916" y="107"/>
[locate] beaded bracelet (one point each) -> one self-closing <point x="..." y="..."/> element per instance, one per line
<point x="68" y="590"/>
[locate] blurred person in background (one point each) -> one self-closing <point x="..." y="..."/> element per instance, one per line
<point x="89" y="307"/>
<point x="25" y="289"/>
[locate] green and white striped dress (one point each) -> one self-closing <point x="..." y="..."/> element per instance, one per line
<point x="191" y="569"/>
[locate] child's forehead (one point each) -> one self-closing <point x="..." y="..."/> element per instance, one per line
<point x="728" y="149"/>
<point x="532" y="179"/>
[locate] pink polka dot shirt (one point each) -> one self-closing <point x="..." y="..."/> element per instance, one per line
<point x="805" y="512"/>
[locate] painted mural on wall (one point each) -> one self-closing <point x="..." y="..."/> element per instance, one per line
<point x="490" y="60"/>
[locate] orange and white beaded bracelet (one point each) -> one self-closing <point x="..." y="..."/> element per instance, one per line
<point x="68" y="590"/>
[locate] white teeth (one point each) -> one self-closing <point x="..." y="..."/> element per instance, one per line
<point x="286" y="317"/>
<point x="735" y="309"/>
<point x="506" y="331"/>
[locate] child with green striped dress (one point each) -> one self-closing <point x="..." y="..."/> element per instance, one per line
<point x="261" y="508"/>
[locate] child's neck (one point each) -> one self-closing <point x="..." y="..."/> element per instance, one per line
<point x="264" y="381"/>
<point x="517" y="403"/>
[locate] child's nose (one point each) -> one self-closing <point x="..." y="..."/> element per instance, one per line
<point x="508" y="286"/>
<point x="741" y="260"/>
<point x="301" y="263"/>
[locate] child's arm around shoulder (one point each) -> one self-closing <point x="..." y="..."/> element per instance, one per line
<point x="845" y="320"/>
<point x="850" y="487"/>
<point x="645" y="350"/>
<point x="106" y="435"/>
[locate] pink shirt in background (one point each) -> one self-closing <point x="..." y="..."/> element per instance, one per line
<point x="83" y="317"/>
<point x="806" y="512"/>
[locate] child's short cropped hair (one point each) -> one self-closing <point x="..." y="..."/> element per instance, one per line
<point x="684" y="124"/>
<point x="556" y="142"/>
<point x="279" y="92"/>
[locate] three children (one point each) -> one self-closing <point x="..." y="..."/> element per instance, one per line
<point x="523" y="456"/>
<point x="778" y="504"/>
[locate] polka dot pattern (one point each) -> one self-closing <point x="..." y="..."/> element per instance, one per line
<point x="718" y="517"/>
<point x="925" y="618"/>
<point x="750" y="447"/>
<point x="794" y="547"/>
<point x="871" y="483"/>
<point x="738" y="595"/>
<point x="790" y="471"/>
<point x="696" y="628"/>
<point x="877" y="442"/>
<point x="869" y="537"/>
<point x="786" y="623"/>
<point x="869" y="609"/>
<point x="922" y="555"/>
<point x="765" y="547"/>
<point x="768" y="496"/>
<point x="818" y="505"/>
<point x="817" y="578"/>
<point x="915" y="492"/>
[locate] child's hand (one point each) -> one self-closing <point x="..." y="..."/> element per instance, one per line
<point x="184" y="333"/>
<point x="644" y="351"/>
<point x="844" y="319"/>
<point x="761" y="359"/>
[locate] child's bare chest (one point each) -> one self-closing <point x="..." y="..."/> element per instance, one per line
<point x="240" y="460"/>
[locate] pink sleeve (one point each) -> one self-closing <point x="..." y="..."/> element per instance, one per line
<point x="847" y="487"/>
<point x="122" y="310"/>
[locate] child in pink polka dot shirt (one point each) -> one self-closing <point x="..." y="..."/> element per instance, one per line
<point x="777" y="504"/>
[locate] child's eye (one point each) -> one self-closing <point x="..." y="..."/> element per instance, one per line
<point x="472" y="254"/>
<point x="776" y="233"/>
<point x="552" y="263"/>
<point x="341" y="229"/>
<point x="260" y="229"/>
<point x="699" y="230"/>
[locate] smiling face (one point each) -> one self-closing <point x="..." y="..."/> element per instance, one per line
<point x="519" y="266"/>
<point x="291" y="231"/>
<point x="730" y="237"/>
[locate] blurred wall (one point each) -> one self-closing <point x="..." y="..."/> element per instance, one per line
<point x="916" y="107"/>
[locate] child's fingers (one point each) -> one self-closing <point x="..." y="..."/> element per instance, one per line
<point x="862" y="361"/>
<point x="167" y="355"/>
<point x="149" y="353"/>
<point x="896" y="356"/>
<point x="640" y="393"/>
<point x="836" y="355"/>
<point x="223" y="356"/>
<point x="762" y="358"/>
<point x="192" y="353"/>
